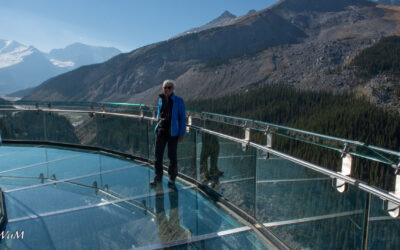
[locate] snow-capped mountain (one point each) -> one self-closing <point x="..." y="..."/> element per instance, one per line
<point x="24" y="66"/>
<point x="81" y="54"/>
<point x="12" y="53"/>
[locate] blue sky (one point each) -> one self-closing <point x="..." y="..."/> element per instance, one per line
<point x="124" y="24"/>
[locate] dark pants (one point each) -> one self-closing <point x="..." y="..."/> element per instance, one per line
<point x="161" y="140"/>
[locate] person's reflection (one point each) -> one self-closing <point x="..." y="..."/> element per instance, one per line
<point x="169" y="229"/>
<point x="210" y="149"/>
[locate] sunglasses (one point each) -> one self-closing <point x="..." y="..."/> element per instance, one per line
<point x="168" y="87"/>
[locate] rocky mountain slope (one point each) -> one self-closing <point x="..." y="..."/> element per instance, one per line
<point x="305" y="43"/>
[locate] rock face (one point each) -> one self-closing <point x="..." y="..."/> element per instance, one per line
<point x="305" y="43"/>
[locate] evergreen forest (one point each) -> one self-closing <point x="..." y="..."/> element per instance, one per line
<point x="340" y="115"/>
<point x="381" y="58"/>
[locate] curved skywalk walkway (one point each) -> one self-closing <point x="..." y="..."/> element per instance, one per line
<point x="63" y="198"/>
<point x="71" y="199"/>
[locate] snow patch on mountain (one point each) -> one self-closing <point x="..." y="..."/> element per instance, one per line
<point x="11" y="55"/>
<point x="62" y="64"/>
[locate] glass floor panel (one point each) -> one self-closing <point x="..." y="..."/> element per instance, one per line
<point x="101" y="202"/>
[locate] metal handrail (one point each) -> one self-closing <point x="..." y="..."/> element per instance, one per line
<point x="378" y="154"/>
<point x="334" y="143"/>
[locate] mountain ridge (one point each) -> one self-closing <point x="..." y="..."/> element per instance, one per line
<point x="282" y="43"/>
<point x="162" y="57"/>
<point x="224" y="19"/>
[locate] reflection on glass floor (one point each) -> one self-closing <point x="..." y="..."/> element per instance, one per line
<point x="70" y="199"/>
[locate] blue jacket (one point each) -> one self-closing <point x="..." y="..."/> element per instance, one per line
<point x="178" y="119"/>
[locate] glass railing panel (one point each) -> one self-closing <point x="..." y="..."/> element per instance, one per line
<point x="312" y="153"/>
<point x="273" y="168"/>
<point x="124" y="108"/>
<point x="187" y="155"/>
<point x="303" y="208"/>
<point x="219" y="118"/>
<point x="323" y="141"/>
<point x="383" y="229"/>
<point x="150" y="110"/>
<point x="22" y="125"/>
<point x="3" y="214"/>
<point x="374" y="154"/>
<point x="87" y="127"/>
<point x="150" y="139"/>
<point x="64" y="126"/>
<point x="227" y="168"/>
<point x="373" y="173"/>
<point x="223" y="128"/>
<point x="6" y="105"/>
<point x="335" y="233"/>
<point x="121" y="134"/>
<point x="57" y="106"/>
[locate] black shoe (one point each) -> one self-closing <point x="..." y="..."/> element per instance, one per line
<point x="155" y="182"/>
<point x="171" y="182"/>
<point x="204" y="178"/>
<point x="219" y="173"/>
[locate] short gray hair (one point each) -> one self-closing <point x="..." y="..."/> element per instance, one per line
<point x="169" y="83"/>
